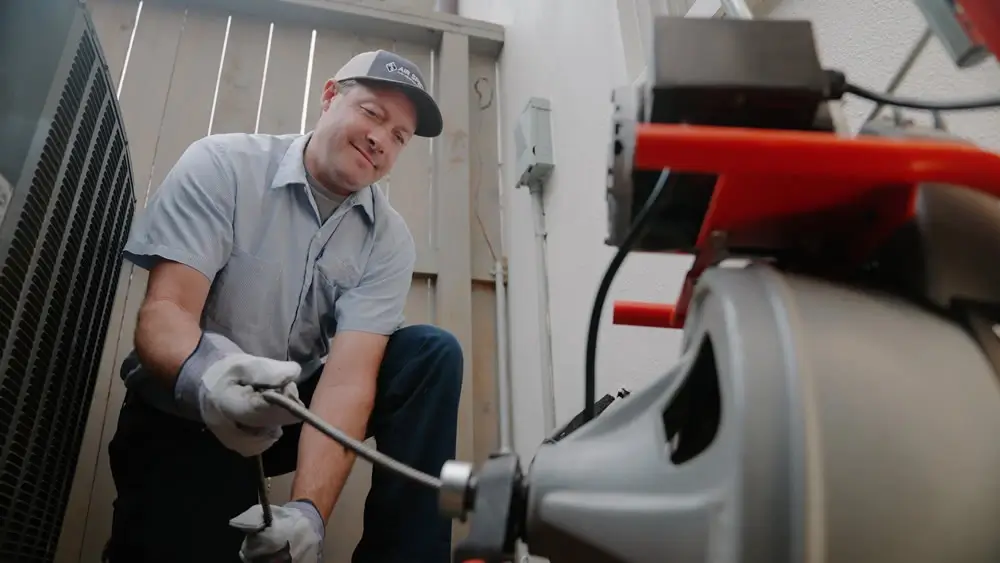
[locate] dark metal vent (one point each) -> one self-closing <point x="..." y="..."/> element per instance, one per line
<point x="57" y="286"/>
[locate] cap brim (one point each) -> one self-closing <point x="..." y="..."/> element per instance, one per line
<point x="430" y="123"/>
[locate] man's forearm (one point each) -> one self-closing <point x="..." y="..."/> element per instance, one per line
<point x="323" y="464"/>
<point x="165" y="336"/>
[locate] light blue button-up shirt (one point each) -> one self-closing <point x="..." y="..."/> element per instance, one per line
<point x="237" y="208"/>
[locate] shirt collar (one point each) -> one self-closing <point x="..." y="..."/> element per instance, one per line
<point x="292" y="172"/>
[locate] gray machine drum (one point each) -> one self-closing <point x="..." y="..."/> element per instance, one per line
<point x="948" y="253"/>
<point x="805" y="422"/>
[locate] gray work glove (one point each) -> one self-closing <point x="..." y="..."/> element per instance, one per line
<point x="296" y="533"/>
<point x="221" y="385"/>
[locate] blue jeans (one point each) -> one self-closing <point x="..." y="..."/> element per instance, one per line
<point x="178" y="486"/>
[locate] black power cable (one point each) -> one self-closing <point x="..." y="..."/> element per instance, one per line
<point x="638" y="226"/>
<point x="890" y="100"/>
<point x="839" y="85"/>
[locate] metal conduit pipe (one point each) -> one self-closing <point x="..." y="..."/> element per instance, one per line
<point x="737" y="9"/>
<point x="544" y="319"/>
<point x="446" y="6"/>
<point x="504" y="382"/>
<point x="505" y="430"/>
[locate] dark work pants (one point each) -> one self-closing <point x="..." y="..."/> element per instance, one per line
<point x="178" y="486"/>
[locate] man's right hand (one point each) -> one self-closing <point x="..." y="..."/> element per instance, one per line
<point x="230" y="401"/>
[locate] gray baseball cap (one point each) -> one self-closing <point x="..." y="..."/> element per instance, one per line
<point x="389" y="68"/>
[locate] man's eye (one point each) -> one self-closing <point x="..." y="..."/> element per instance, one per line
<point x="369" y="112"/>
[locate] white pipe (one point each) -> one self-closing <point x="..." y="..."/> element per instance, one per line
<point x="504" y="418"/>
<point x="505" y="385"/>
<point x="545" y="325"/>
<point x="501" y="183"/>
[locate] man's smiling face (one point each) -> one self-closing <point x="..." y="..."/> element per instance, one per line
<point x="359" y="135"/>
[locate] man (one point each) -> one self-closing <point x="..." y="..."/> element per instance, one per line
<point x="266" y="255"/>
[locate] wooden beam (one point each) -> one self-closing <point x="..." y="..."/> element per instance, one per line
<point x="147" y="81"/>
<point x="394" y="22"/>
<point x="451" y="195"/>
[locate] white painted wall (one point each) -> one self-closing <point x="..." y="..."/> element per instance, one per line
<point x="574" y="56"/>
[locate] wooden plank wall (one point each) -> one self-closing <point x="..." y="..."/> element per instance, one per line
<point x="173" y="92"/>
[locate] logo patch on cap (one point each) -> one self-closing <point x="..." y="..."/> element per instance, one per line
<point x="391" y="66"/>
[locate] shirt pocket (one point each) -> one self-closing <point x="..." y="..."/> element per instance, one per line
<point x="334" y="276"/>
<point x="338" y="273"/>
<point x="244" y="290"/>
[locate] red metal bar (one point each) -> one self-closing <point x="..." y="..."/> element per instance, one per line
<point x="638" y="313"/>
<point x="777" y="188"/>
<point x="866" y="163"/>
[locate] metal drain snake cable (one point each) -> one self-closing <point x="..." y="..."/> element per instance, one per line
<point x="372" y="455"/>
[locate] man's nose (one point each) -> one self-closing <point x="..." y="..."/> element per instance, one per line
<point x="375" y="141"/>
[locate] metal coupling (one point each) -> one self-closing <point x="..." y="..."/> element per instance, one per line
<point x="457" y="489"/>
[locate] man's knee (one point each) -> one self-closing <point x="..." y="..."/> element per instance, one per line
<point x="439" y="350"/>
<point x="440" y="341"/>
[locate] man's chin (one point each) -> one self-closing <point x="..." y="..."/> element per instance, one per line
<point x="352" y="181"/>
<point x="358" y="184"/>
<point x="360" y="180"/>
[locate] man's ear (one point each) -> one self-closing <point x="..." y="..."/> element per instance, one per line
<point x="329" y="92"/>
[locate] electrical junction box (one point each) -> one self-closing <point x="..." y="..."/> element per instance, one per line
<point x="533" y="144"/>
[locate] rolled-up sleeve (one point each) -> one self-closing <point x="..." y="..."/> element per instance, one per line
<point x="376" y="304"/>
<point x="189" y="218"/>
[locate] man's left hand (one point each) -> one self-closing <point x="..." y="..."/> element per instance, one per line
<point x="297" y="529"/>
